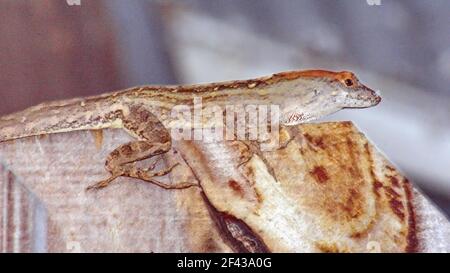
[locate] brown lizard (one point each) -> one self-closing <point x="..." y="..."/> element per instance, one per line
<point x="145" y="112"/>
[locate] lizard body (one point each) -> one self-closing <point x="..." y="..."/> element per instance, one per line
<point x="145" y="112"/>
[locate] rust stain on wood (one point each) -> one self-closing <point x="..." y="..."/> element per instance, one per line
<point x="413" y="242"/>
<point x="236" y="187"/>
<point x="320" y="174"/>
<point x="98" y="138"/>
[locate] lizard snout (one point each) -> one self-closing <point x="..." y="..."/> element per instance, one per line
<point x="362" y="97"/>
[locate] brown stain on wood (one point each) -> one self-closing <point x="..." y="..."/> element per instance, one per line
<point x="316" y="141"/>
<point x="377" y="185"/>
<point x="351" y="205"/>
<point x="413" y="242"/>
<point x="236" y="187"/>
<point x="391" y="192"/>
<point x="320" y="174"/>
<point x="395" y="199"/>
<point x="397" y="208"/>
<point x="394" y="181"/>
<point x="98" y="138"/>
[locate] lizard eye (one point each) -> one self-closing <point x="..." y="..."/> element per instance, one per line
<point x="348" y="82"/>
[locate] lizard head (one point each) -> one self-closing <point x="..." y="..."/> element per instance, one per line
<point x="321" y="92"/>
<point x="356" y="94"/>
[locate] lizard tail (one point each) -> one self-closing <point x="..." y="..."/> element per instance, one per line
<point x="58" y="117"/>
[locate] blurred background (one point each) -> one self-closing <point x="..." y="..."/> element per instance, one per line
<point x="52" y="50"/>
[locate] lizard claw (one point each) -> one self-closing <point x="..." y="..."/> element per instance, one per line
<point x="103" y="183"/>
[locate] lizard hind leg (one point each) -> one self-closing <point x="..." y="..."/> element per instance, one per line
<point x="122" y="162"/>
<point x="155" y="140"/>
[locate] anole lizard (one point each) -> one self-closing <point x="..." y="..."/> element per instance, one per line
<point x="145" y="112"/>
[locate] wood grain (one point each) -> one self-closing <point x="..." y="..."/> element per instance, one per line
<point x="329" y="180"/>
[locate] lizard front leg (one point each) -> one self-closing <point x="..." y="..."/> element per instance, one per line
<point x="154" y="140"/>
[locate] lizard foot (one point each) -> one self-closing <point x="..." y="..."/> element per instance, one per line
<point x="146" y="175"/>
